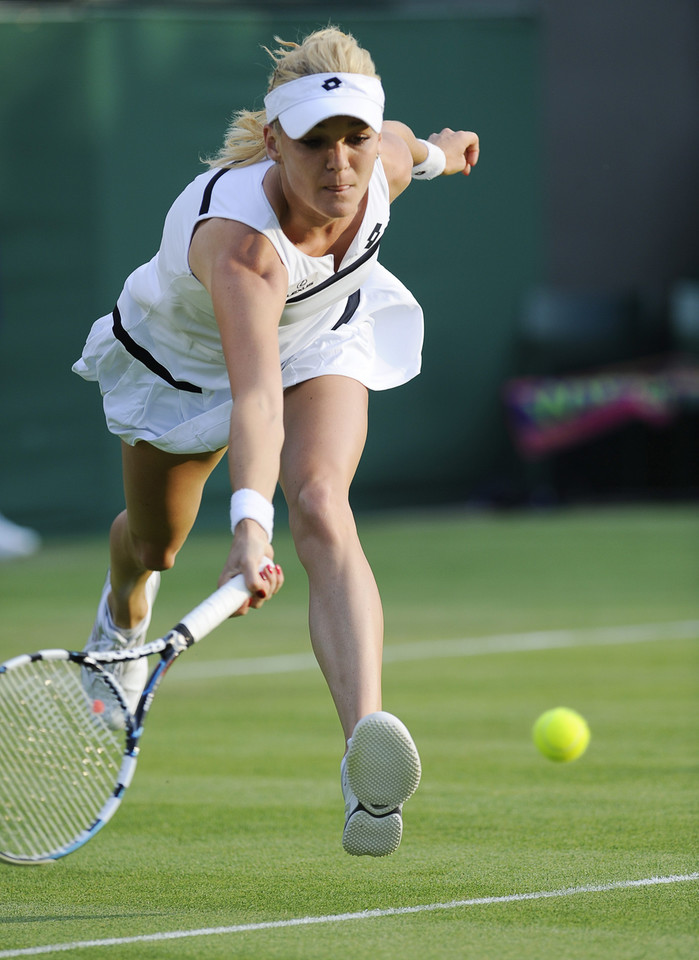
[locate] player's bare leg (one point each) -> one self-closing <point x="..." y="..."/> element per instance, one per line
<point x="163" y="494"/>
<point x="325" y="424"/>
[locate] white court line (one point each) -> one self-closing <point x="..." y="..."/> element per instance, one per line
<point x="342" y="917"/>
<point x="464" y="647"/>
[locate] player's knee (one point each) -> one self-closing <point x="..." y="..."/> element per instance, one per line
<point x="155" y="556"/>
<point x="321" y="511"/>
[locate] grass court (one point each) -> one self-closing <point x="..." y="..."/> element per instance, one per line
<point x="228" y="843"/>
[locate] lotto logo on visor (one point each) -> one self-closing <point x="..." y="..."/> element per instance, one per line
<point x="300" y="104"/>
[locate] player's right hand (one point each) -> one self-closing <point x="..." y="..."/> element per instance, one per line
<point x="250" y="555"/>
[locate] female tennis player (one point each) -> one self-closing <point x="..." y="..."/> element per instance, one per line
<point x="258" y="329"/>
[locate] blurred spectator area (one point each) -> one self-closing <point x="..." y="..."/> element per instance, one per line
<point x="597" y="405"/>
<point x="615" y="320"/>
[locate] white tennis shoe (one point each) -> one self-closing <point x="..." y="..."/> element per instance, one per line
<point x="380" y="771"/>
<point x="131" y="674"/>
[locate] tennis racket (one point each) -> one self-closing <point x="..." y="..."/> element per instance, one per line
<point x="69" y="741"/>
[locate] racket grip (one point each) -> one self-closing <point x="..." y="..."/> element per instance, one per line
<point x="218" y="607"/>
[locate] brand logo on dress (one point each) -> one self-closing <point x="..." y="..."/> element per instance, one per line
<point x="332" y="84"/>
<point x="374" y="236"/>
<point x="299" y="287"/>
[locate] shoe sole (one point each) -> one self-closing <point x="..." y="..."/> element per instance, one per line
<point x="365" y="835"/>
<point x="383" y="765"/>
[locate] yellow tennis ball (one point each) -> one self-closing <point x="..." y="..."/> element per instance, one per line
<point x="561" y="734"/>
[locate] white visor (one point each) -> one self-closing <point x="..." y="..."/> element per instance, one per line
<point x="300" y="104"/>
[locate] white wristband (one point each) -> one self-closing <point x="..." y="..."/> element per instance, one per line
<point x="433" y="165"/>
<point x="250" y="505"/>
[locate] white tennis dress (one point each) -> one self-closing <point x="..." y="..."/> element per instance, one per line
<point x="158" y="356"/>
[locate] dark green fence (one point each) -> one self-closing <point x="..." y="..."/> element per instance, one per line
<point x="105" y="117"/>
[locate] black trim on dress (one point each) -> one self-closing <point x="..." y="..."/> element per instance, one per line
<point x="147" y="359"/>
<point x="206" y="198"/>
<point x="372" y="251"/>
<point x="350" y="309"/>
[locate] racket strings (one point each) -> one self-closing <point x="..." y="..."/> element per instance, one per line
<point x="61" y="759"/>
<point x="53" y="772"/>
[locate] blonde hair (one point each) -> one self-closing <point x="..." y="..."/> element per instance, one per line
<point x="324" y="51"/>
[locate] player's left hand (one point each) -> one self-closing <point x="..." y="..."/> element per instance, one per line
<point x="461" y="148"/>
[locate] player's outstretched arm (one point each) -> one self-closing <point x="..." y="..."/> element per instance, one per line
<point x="402" y="150"/>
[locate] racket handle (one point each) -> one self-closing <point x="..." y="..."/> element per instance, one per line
<point x="218" y="607"/>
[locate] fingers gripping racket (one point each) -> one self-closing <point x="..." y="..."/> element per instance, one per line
<point x="69" y="741"/>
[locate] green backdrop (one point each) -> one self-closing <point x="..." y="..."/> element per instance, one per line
<point x="104" y="118"/>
